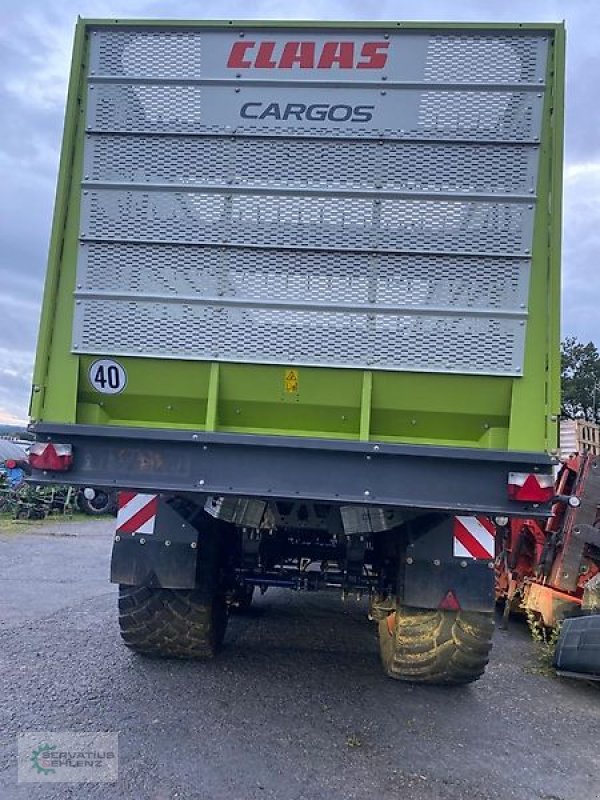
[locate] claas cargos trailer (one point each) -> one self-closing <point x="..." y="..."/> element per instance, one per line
<point x="302" y="309"/>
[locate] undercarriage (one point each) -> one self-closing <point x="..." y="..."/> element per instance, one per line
<point x="190" y="565"/>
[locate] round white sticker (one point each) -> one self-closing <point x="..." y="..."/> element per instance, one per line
<point x="107" y="376"/>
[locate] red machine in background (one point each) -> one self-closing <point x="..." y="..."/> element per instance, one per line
<point x="546" y="569"/>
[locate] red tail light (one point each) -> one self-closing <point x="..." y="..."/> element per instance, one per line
<point x="51" y="457"/>
<point x="450" y="602"/>
<point x="530" y="487"/>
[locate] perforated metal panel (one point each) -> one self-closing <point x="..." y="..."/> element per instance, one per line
<point x="341" y="223"/>
<point x="378" y="279"/>
<point x="350" y="217"/>
<point x="307" y="337"/>
<point x="139" y="53"/>
<point x="399" y="113"/>
<point x="486" y="58"/>
<point x="250" y="161"/>
<point x="478" y="56"/>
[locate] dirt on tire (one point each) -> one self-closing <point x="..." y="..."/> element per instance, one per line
<point x="435" y="646"/>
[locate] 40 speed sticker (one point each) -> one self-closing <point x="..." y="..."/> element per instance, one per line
<point x="107" y="376"/>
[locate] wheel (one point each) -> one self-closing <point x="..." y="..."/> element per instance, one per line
<point x="179" y="623"/>
<point x="102" y="503"/>
<point x="436" y="647"/>
<point x="171" y="623"/>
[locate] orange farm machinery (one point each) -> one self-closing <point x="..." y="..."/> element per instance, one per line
<point x="545" y="568"/>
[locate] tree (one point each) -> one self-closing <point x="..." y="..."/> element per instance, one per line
<point x="580" y="378"/>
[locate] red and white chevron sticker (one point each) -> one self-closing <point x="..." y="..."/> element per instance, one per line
<point x="137" y="513"/>
<point x="474" y="537"/>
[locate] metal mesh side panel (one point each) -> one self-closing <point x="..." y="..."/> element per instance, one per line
<point x="396" y="239"/>
<point x="361" y="278"/>
<point x="477" y="58"/>
<point x="246" y="161"/>
<point x="426" y="343"/>
<point x="134" y="53"/>
<point x="339" y="223"/>
<point x="192" y="109"/>
<point x="507" y="116"/>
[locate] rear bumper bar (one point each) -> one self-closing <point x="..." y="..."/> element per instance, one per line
<point x="365" y="473"/>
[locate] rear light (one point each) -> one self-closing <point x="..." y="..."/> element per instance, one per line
<point x="449" y="602"/>
<point x="51" y="457"/>
<point x="530" y="487"/>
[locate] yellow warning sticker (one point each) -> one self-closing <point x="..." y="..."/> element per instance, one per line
<point x="291" y="381"/>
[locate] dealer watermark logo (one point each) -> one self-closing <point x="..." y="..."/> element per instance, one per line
<point x="67" y="757"/>
<point x="41" y="759"/>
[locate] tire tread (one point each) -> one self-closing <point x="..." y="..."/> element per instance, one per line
<point x="436" y="647"/>
<point x="171" y="623"/>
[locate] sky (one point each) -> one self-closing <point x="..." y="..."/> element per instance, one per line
<point x="35" y="51"/>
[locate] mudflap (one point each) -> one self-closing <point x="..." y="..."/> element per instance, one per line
<point x="449" y="563"/>
<point x="577" y="652"/>
<point x="153" y="545"/>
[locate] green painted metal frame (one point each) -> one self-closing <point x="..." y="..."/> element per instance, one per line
<point x="555" y="237"/>
<point x="54" y="391"/>
<point x="540" y="385"/>
<point x="293" y="23"/>
<point x="488" y="412"/>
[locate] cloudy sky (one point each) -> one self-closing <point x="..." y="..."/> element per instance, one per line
<point x="35" y="49"/>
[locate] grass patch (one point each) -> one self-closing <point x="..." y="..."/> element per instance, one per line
<point x="545" y="640"/>
<point x="8" y="524"/>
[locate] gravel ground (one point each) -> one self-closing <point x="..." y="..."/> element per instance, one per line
<point x="295" y="708"/>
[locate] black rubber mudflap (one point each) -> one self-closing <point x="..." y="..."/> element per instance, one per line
<point x="578" y="648"/>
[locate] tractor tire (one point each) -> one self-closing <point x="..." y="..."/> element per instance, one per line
<point x="434" y="646"/>
<point x="172" y="623"/>
<point x="102" y="503"/>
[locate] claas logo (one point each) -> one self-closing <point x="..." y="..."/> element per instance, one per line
<point x="308" y="55"/>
